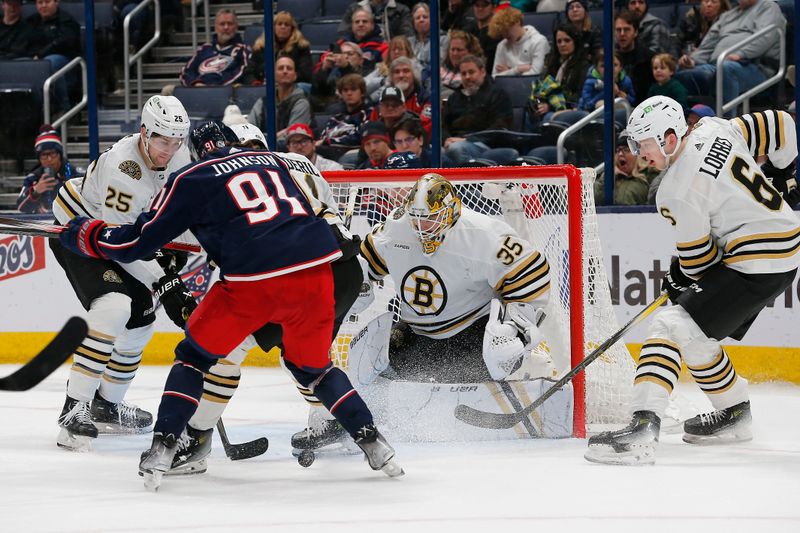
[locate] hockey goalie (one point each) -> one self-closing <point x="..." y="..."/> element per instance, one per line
<point x="452" y="312"/>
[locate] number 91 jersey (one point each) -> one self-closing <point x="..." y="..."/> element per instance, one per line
<point x="722" y="206"/>
<point x="443" y="293"/>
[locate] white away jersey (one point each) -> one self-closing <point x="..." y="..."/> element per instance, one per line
<point x="720" y="203"/>
<point x="441" y="294"/>
<point x="117" y="188"/>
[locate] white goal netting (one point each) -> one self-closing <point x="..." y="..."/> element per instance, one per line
<point x="539" y="209"/>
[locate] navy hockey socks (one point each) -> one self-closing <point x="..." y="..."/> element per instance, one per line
<point x="181" y="396"/>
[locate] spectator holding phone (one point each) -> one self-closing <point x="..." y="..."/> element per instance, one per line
<point x="41" y="186"/>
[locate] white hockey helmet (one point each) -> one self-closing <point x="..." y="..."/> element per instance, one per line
<point x="165" y="116"/>
<point x="248" y="132"/>
<point x="652" y="119"/>
<point x="433" y="208"/>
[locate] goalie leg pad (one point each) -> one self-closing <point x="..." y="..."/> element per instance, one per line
<point x="502" y="350"/>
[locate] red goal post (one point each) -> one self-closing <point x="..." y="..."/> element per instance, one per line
<point x="552" y="206"/>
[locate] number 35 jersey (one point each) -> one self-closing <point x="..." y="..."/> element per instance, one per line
<point x="722" y="206"/>
<point x="443" y="293"/>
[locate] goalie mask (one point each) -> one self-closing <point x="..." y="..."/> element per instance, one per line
<point x="433" y="208"/>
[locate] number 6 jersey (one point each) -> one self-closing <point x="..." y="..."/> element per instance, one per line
<point x="722" y="206"/>
<point x="443" y="293"/>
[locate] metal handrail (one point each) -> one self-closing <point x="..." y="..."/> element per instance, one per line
<point x="581" y="123"/>
<point x="128" y="60"/>
<point x="745" y="97"/>
<point x="207" y="20"/>
<point x="72" y="111"/>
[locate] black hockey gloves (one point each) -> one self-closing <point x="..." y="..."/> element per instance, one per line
<point x="785" y="181"/>
<point x="675" y="282"/>
<point x="172" y="261"/>
<point x="177" y="300"/>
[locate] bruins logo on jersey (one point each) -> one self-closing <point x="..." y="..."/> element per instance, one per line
<point x="131" y="168"/>
<point x="109" y="276"/>
<point x="424" y="291"/>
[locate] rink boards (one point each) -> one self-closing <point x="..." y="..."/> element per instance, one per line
<point x="36" y="299"/>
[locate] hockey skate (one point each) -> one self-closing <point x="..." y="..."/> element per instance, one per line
<point x="379" y="453"/>
<point x="322" y="433"/>
<point x="194" y="447"/>
<point x="632" y="445"/>
<point x="119" y="418"/>
<point x="723" y="426"/>
<point x="77" y="429"/>
<point x="157" y="460"/>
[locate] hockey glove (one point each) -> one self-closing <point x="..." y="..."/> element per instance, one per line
<point x="80" y="236"/>
<point x="177" y="300"/>
<point x="784" y="180"/>
<point x="675" y="282"/>
<point x="172" y="261"/>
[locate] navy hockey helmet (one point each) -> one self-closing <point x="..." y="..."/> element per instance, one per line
<point x="210" y="137"/>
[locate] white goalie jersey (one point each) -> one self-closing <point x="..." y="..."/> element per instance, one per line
<point x="443" y="293"/>
<point x="722" y="206"/>
<point x="117" y="188"/>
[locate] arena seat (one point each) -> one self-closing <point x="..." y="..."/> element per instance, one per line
<point x="301" y="10"/>
<point x="204" y="103"/>
<point x="246" y="96"/>
<point x="251" y="33"/>
<point x="335" y="8"/>
<point x="517" y="87"/>
<point x="320" y="32"/>
<point x="544" y="22"/>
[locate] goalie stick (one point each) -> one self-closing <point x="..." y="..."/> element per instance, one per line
<point x="12" y="226"/>
<point x="50" y="358"/>
<point x="245" y="450"/>
<point x="483" y="419"/>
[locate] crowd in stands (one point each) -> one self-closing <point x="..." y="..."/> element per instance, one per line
<point x="367" y="94"/>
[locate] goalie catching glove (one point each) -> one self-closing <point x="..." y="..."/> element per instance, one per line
<point x="176" y="298"/>
<point x="510" y="335"/>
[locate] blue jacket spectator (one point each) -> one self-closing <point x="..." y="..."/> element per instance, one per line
<point x="222" y="61"/>
<point x="41" y="186"/>
<point x="592" y="93"/>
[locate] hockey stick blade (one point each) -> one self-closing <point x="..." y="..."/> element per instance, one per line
<point x="483" y="419"/>
<point x="245" y="450"/>
<point x="10" y="226"/>
<point x="50" y="358"/>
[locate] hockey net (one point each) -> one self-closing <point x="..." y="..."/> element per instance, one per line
<point x="553" y="208"/>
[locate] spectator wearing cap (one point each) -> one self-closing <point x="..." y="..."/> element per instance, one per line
<point x="415" y="98"/>
<point x="591" y="40"/>
<point x="55" y="36"/>
<point x="653" y="32"/>
<point x="410" y="136"/>
<point x="748" y="65"/>
<point x="342" y="131"/>
<point x="224" y="60"/>
<point x="292" y="102"/>
<point x="523" y="48"/>
<point x="14" y="32"/>
<point x="391" y="108"/>
<point x="375" y="142"/>
<point x="300" y="140"/>
<point x="483" y="11"/>
<point x="479" y="105"/>
<point x="391" y="17"/>
<point x="41" y="186"/>
<point x="664" y="67"/>
<point x="631" y="179"/>
<point x="697" y="112"/>
<point x="349" y="59"/>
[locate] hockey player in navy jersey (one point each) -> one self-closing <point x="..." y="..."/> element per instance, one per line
<point x="274" y="255"/>
<point x="738" y="248"/>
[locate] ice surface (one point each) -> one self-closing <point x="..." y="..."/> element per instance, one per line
<point x="490" y="486"/>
